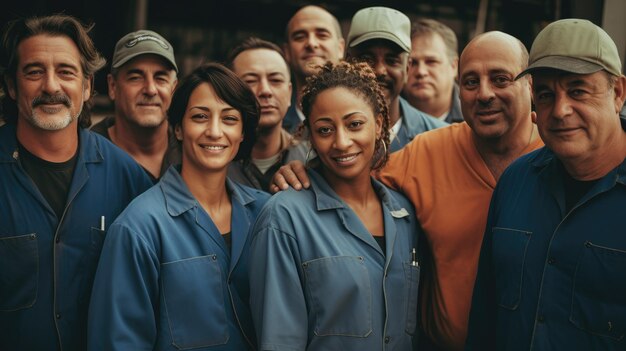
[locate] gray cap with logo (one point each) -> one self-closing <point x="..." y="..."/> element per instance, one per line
<point x="574" y="45"/>
<point x="142" y="42"/>
<point x="380" y="23"/>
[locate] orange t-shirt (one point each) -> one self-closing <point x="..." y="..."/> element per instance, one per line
<point x="450" y="185"/>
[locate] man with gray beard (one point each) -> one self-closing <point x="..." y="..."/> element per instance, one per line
<point x="60" y="185"/>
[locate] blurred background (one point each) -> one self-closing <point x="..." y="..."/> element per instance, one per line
<point x="206" y="30"/>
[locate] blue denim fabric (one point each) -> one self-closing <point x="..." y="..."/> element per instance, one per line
<point x="549" y="279"/>
<point x="321" y="282"/>
<point x="413" y="122"/>
<point x="166" y="279"/>
<point x="47" y="264"/>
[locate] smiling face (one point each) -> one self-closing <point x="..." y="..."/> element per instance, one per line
<point x="577" y="114"/>
<point x="312" y="39"/>
<point x="344" y="132"/>
<point x="389" y="62"/>
<point x="494" y="104"/>
<point x="142" y="90"/>
<point x="50" y="87"/>
<point x="211" y="132"/>
<point x="267" y="74"/>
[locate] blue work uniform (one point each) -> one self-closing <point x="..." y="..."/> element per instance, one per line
<point x="321" y="282"/>
<point x="166" y="279"/>
<point x="47" y="263"/>
<point x="548" y="278"/>
<point x="413" y="122"/>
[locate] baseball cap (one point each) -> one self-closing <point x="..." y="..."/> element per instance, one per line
<point x="574" y="45"/>
<point x="380" y="23"/>
<point x="142" y="42"/>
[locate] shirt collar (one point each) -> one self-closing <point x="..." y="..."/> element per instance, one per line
<point x="544" y="156"/>
<point x="178" y="198"/>
<point x="89" y="145"/>
<point x="326" y="198"/>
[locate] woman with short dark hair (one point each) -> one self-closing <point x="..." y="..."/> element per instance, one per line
<point x="174" y="269"/>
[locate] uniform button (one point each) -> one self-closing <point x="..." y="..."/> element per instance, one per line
<point x="387" y="339"/>
<point x="551" y="260"/>
<point x="58" y="315"/>
<point x="541" y="319"/>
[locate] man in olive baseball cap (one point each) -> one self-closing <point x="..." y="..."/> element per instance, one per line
<point x="552" y="266"/>
<point x="381" y="36"/>
<point x="141" y="83"/>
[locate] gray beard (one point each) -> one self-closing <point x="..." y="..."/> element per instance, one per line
<point x="52" y="124"/>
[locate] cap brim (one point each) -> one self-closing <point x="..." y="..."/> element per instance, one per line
<point x="379" y="35"/>
<point x="121" y="62"/>
<point x="562" y="63"/>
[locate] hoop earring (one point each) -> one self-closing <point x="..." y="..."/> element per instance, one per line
<point x="308" y="154"/>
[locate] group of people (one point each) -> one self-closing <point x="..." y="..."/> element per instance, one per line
<point x="390" y="229"/>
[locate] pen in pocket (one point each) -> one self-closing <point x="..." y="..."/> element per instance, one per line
<point x="413" y="258"/>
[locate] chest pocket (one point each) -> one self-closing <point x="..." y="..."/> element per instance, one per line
<point x="341" y="298"/>
<point x="19" y="272"/>
<point x="509" y="251"/>
<point x="193" y="293"/>
<point x="599" y="293"/>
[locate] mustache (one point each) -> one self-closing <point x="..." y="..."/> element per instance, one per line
<point x="383" y="81"/>
<point x="52" y="99"/>
<point x="149" y="101"/>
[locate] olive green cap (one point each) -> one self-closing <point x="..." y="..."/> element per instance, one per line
<point x="380" y="23"/>
<point x="576" y="46"/>
<point x="142" y="42"/>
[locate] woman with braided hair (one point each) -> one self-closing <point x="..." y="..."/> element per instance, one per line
<point x="335" y="265"/>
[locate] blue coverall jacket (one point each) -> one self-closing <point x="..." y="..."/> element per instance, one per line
<point x="321" y="282"/>
<point x="414" y="122"/>
<point x="47" y="263"/>
<point x="548" y="278"/>
<point x="166" y="279"/>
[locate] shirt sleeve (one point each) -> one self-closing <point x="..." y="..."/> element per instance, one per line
<point x="277" y="301"/>
<point x="125" y="294"/>
<point x="397" y="168"/>
<point x="482" y="320"/>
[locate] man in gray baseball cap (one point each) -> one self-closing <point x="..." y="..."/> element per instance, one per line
<point x="380" y="36"/>
<point x="552" y="272"/>
<point x="141" y="83"/>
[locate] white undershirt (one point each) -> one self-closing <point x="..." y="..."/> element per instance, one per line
<point x="263" y="164"/>
<point x="395" y="129"/>
<point x="444" y="116"/>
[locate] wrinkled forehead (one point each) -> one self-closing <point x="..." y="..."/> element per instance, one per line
<point x="260" y="60"/>
<point x="311" y="19"/>
<point x="549" y="77"/>
<point x="489" y="61"/>
<point x="40" y="49"/>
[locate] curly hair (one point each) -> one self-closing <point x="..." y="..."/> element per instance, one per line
<point x="359" y="78"/>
